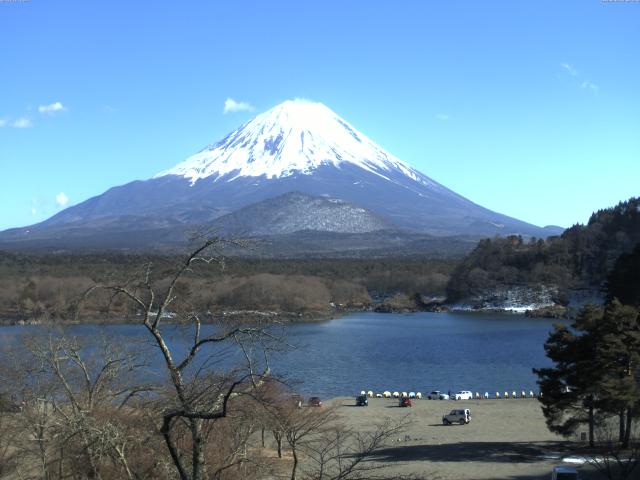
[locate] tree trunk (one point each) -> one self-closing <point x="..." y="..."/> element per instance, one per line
<point x="294" y="468"/>
<point x="622" y="430"/>
<point x="198" y="450"/>
<point x="278" y="438"/>
<point x="262" y="436"/>
<point x="627" y="433"/>
<point x="591" y="424"/>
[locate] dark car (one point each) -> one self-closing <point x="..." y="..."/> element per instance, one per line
<point x="563" y="472"/>
<point x="362" y="401"/>
<point x="315" y="402"/>
<point x="404" y="402"/>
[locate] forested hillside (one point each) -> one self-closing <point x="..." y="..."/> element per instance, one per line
<point x="581" y="257"/>
<point x="47" y="287"/>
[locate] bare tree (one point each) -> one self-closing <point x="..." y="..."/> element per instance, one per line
<point x="8" y="460"/>
<point x="74" y="418"/>
<point x="322" y="448"/>
<point x="198" y="394"/>
<point x="341" y="453"/>
<point x="298" y="426"/>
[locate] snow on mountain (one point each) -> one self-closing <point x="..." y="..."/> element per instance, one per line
<point x="295" y="212"/>
<point x="295" y="137"/>
<point x="297" y="146"/>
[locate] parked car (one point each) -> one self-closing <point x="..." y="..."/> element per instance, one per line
<point x="315" y="402"/>
<point x="404" y="402"/>
<point x="362" y="401"/>
<point x="437" y="395"/>
<point x="461" y="416"/>
<point x="463" y="395"/>
<point x="562" y="472"/>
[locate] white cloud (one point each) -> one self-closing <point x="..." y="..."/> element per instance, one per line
<point x="33" y="211"/>
<point x="230" y="105"/>
<point x="570" y="69"/>
<point x="108" y="109"/>
<point x="584" y="83"/>
<point x="591" y="86"/>
<point x="443" y="116"/>
<point x="62" y="199"/>
<point x="22" y="122"/>
<point x="3" y="122"/>
<point x="52" y="108"/>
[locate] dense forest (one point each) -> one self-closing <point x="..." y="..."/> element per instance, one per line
<point x="48" y="287"/>
<point x="581" y="257"/>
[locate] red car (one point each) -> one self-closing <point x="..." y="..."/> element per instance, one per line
<point x="315" y="402"/>
<point x="405" y="402"/>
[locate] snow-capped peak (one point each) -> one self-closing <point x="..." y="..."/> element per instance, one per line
<point x="295" y="137"/>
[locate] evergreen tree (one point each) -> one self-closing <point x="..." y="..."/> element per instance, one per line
<point x="570" y="388"/>
<point x="596" y="373"/>
<point x="623" y="282"/>
<point x="618" y="357"/>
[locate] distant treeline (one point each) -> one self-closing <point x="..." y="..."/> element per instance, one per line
<point x="583" y="256"/>
<point x="49" y="287"/>
<point x="37" y="286"/>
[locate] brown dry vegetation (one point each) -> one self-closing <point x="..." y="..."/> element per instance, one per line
<point x="71" y="413"/>
<point x="48" y="288"/>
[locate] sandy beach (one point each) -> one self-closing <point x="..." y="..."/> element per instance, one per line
<point x="506" y="439"/>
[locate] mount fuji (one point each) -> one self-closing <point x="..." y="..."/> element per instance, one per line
<point x="337" y="174"/>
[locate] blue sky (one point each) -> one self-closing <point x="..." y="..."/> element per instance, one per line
<point x="531" y="109"/>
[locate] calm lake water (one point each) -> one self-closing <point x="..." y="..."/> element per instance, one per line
<point x="403" y="352"/>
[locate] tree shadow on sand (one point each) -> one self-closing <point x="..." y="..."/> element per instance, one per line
<point x="492" y="452"/>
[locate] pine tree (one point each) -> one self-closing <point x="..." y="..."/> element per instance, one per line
<point x="618" y="357"/>
<point x="623" y="282"/>
<point x="596" y="373"/>
<point x="570" y="388"/>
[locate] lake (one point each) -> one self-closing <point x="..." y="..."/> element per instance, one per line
<point x="397" y="352"/>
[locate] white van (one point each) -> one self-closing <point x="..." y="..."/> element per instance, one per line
<point x="463" y="395"/>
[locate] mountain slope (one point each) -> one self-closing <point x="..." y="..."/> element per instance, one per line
<point x="297" y="146"/>
<point x="295" y="212"/>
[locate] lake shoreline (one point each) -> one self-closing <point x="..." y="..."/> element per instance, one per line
<point x="268" y="316"/>
<point x="369" y="350"/>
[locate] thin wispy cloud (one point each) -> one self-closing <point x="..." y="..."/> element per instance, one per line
<point x="230" y="105"/>
<point x="586" y="84"/>
<point x="443" y="116"/>
<point x="3" y="122"/>
<point x="61" y="199"/>
<point x="109" y="108"/>
<point x="22" y="122"/>
<point x="570" y="69"/>
<point x="589" y="85"/>
<point x="52" y="108"/>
